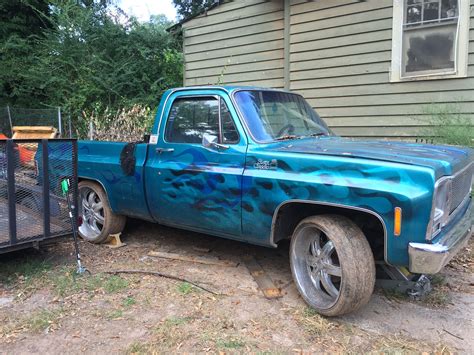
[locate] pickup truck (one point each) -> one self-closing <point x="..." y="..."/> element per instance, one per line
<point x="260" y="166"/>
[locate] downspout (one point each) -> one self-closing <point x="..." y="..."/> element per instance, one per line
<point x="286" y="45"/>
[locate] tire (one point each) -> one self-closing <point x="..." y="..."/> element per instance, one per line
<point x="332" y="264"/>
<point x="98" y="220"/>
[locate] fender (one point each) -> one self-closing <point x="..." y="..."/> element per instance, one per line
<point x="320" y="203"/>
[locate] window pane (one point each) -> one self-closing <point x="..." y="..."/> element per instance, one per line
<point x="430" y="48"/>
<point x="229" y="132"/>
<point x="413" y="14"/>
<point x="190" y="118"/>
<point x="431" y="11"/>
<point x="449" y="8"/>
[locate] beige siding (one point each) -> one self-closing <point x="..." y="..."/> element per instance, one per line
<point x="339" y="58"/>
<point x="240" y="42"/>
<point x="340" y="61"/>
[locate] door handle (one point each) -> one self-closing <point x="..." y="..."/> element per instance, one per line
<point x="163" y="150"/>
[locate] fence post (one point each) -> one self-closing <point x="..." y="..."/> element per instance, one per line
<point x="10" y="118"/>
<point x="45" y="179"/>
<point x="11" y="162"/>
<point x="60" y="126"/>
<point x="70" y="126"/>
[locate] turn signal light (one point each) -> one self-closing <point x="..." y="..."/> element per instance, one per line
<point x="397" y="229"/>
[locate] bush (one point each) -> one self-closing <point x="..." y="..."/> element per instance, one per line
<point x="123" y="125"/>
<point x="448" y="126"/>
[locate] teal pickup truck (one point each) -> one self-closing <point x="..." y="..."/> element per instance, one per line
<point x="260" y="166"/>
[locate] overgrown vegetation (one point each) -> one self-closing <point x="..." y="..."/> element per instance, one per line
<point x="125" y="124"/>
<point x="87" y="57"/>
<point x="449" y="126"/>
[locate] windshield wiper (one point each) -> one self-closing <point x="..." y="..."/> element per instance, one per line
<point x="319" y="134"/>
<point x="286" y="137"/>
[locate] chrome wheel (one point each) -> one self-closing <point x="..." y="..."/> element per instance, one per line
<point x="91" y="210"/>
<point x="317" y="268"/>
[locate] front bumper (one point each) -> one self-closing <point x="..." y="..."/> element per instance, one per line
<point x="431" y="258"/>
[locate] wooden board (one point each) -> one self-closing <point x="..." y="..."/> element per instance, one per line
<point x="192" y="259"/>
<point x="34" y="132"/>
<point x="263" y="281"/>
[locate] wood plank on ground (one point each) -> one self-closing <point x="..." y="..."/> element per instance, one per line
<point x="193" y="259"/>
<point x="263" y="281"/>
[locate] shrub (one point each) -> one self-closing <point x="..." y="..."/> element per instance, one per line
<point x="448" y="126"/>
<point x="124" y="125"/>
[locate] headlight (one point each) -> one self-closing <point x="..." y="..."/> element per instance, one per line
<point x="441" y="207"/>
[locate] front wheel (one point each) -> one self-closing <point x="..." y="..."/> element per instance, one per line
<point x="98" y="220"/>
<point x="332" y="264"/>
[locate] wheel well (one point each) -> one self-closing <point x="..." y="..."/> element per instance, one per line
<point x="290" y="214"/>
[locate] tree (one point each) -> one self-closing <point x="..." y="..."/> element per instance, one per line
<point x="91" y="58"/>
<point x="23" y="18"/>
<point x="189" y="8"/>
<point x="22" y="22"/>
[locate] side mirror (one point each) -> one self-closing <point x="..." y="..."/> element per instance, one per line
<point x="209" y="140"/>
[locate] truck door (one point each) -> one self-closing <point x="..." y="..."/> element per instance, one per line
<point x="195" y="171"/>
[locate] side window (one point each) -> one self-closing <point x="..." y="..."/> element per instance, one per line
<point x="229" y="132"/>
<point x="190" y="118"/>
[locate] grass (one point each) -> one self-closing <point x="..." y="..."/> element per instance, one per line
<point x="42" y="320"/>
<point x="36" y="322"/>
<point x="113" y="284"/>
<point x="128" y="302"/>
<point x="115" y="314"/>
<point x="186" y="288"/>
<point x="168" y="334"/>
<point x="402" y="345"/>
<point x="24" y="271"/>
<point x="314" y="323"/>
<point x="230" y="344"/>
<point x="348" y="338"/>
<point x="138" y="349"/>
<point x="67" y="282"/>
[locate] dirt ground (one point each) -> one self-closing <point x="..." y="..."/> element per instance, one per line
<point x="45" y="308"/>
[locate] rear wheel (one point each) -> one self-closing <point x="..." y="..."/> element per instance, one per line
<point x="332" y="264"/>
<point x="98" y="220"/>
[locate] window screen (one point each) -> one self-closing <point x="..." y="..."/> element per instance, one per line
<point x="429" y="36"/>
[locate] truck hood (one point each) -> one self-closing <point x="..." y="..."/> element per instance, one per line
<point x="443" y="159"/>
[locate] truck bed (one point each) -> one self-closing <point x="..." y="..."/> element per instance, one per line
<point x="100" y="162"/>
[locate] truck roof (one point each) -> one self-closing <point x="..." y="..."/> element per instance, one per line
<point x="228" y="88"/>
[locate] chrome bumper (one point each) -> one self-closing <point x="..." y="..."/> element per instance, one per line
<point x="431" y="258"/>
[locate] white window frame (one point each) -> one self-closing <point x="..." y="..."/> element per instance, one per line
<point x="461" y="56"/>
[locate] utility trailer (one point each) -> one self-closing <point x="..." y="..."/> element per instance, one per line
<point x="33" y="208"/>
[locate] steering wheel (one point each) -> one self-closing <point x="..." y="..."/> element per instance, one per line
<point x="289" y="127"/>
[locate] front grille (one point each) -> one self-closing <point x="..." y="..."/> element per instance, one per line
<point x="460" y="187"/>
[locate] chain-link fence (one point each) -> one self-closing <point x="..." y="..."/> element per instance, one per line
<point x="33" y="203"/>
<point x="15" y="116"/>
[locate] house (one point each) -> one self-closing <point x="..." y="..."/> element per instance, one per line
<point x="374" y="68"/>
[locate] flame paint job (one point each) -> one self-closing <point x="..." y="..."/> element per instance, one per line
<point x="234" y="193"/>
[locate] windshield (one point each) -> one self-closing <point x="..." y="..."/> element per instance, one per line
<point x="276" y="115"/>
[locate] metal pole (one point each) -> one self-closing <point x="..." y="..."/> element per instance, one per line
<point x="70" y="127"/>
<point x="45" y="179"/>
<point x="11" y="163"/>
<point x="60" y="126"/>
<point x="10" y="118"/>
